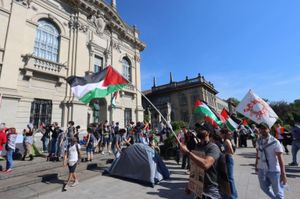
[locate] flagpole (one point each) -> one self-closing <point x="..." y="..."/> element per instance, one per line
<point x="190" y="121"/>
<point x="156" y="110"/>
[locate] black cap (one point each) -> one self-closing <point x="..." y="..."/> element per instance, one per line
<point x="204" y="126"/>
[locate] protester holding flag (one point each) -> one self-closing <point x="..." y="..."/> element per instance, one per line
<point x="209" y="162"/>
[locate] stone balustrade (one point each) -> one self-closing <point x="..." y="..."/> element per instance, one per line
<point x="36" y="64"/>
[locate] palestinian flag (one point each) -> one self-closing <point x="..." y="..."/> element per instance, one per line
<point x="209" y="116"/>
<point x="97" y="85"/>
<point x="231" y="125"/>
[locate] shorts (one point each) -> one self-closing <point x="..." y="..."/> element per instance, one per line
<point x="72" y="168"/>
<point x="106" y="141"/>
<point x="89" y="149"/>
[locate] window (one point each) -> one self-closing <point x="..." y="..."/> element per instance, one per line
<point x="46" y="44"/>
<point x="41" y="112"/>
<point x="126" y="69"/>
<point x="127" y="116"/>
<point x="98" y="63"/>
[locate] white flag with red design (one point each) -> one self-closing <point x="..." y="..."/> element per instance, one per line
<point x="256" y="109"/>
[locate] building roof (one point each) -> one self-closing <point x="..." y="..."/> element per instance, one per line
<point x="180" y="85"/>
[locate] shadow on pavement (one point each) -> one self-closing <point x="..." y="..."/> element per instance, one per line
<point x="248" y="155"/>
<point x="51" y="178"/>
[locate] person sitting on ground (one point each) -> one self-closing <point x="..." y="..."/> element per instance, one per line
<point x="71" y="159"/>
<point x="209" y="163"/>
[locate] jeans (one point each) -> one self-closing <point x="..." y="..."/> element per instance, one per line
<point x="230" y="165"/>
<point x="9" y="158"/>
<point x="270" y="184"/>
<point x="54" y="146"/>
<point x="45" y="144"/>
<point x="295" y="149"/>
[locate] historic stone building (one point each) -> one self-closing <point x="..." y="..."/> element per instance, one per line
<point x="44" y="41"/>
<point x="176" y="100"/>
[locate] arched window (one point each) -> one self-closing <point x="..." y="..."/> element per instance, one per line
<point x="46" y="44"/>
<point x="126" y="69"/>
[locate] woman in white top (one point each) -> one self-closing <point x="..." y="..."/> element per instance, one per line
<point x="71" y="157"/>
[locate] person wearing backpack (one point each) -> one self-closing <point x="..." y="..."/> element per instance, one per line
<point x="90" y="144"/>
<point x="269" y="164"/>
<point x="295" y="143"/>
<point x="71" y="157"/>
<point x="209" y="162"/>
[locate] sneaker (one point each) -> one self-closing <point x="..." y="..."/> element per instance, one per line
<point x="64" y="187"/>
<point x="75" y="183"/>
<point x="102" y="152"/>
<point x="293" y="164"/>
<point x="8" y="171"/>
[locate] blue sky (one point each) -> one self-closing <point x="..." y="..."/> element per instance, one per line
<point x="236" y="44"/>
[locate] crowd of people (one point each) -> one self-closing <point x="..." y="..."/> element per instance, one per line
<point x="219" y="145"/>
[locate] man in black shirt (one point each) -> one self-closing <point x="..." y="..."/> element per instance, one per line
<point x="209" y="162"/>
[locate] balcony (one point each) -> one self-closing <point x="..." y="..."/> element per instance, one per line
<point x="36" y="64"/>
<point x="129" y="88"/>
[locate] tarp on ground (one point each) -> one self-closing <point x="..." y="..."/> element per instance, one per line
<point x="139" y="163"/>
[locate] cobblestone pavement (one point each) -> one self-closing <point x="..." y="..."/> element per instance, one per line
<point x="247" y="183"/>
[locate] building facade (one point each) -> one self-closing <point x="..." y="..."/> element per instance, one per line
<point x="42" y="42"/>
<point x="176" y="100"/>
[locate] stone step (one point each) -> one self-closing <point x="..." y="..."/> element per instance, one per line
<point x="36" y="190"/>
<point x="43" y="172"/>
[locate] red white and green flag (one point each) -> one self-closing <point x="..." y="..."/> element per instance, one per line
<point x="209" y="116"/>
<point x="97" y="85"/>
<point x="231" y="125"/>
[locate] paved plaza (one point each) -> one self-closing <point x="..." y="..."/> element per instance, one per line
<point x="110" y="188"/>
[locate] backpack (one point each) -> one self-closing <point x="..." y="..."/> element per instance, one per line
<point x="93" y="140"/>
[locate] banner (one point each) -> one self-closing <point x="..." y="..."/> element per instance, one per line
<point x="256" y="109"/>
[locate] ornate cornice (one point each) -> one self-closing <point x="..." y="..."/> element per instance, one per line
<point x="111" y="19"/>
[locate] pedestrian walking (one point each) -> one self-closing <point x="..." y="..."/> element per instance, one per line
<point x="279" y="134"/>
<point x="10" y="148"/>
<point x="296" y="142"/>
<point x="71" y="157"/>
<point x="269" y="164"/>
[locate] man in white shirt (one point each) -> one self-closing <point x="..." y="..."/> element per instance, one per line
<point x="270" y="164"/>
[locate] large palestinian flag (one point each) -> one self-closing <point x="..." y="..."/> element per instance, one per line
<point x="209" y="116"/>
<point x="97" y="85"/>
<point x="231" y="125"/>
